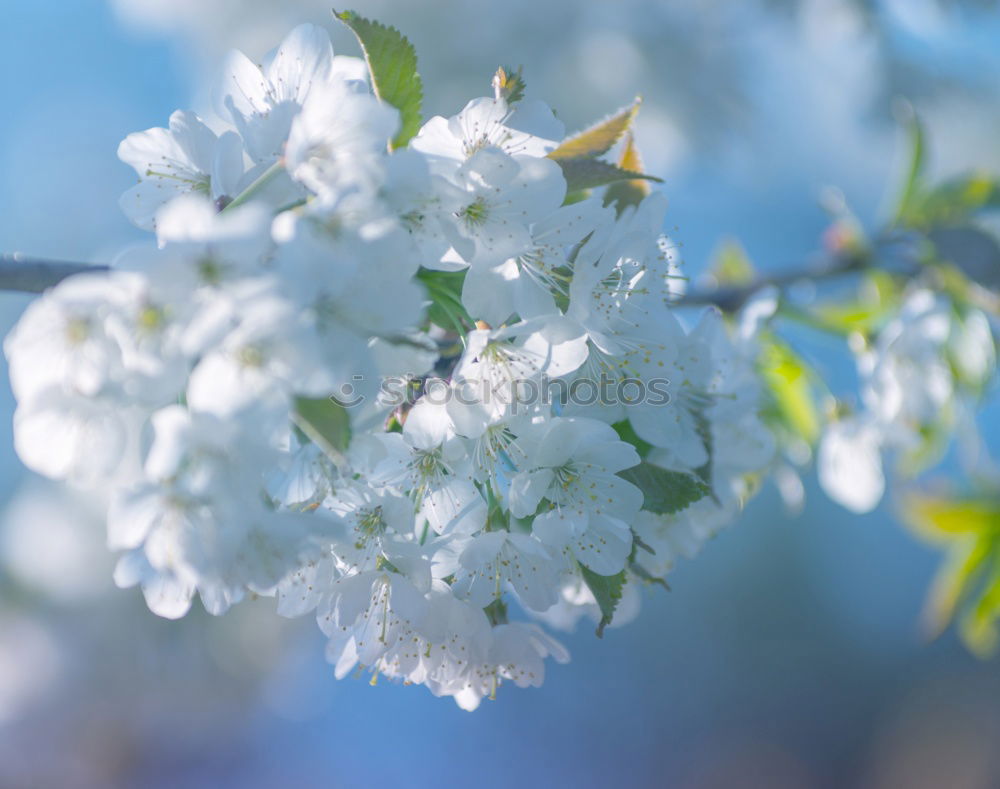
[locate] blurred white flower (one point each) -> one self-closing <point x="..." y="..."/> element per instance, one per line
<point x="850" y="463"/>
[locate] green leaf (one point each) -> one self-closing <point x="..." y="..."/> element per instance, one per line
<point x="954" y="201"/>
<point x="913" y="182"/>
<point x="584" y="173"/>
<point x="599" y="138"/>
<point x="968" y="527"/>
<point x="508" y="84"/>
<point x="576" y="197"/>
<point x="731" y="264"/>
<point x="622" y="194"/>
<point x="607" y="591"/>
<point x="444" y="289"/>
<point x="392" y="62"/>
<point x="325" y="422"/>
<point x="941" y="518"/>
<point x="877" y="301"/>
<point x="496" y="612"/>
<point x="627" y="434"/>
<point x="789" y="382"/>
<point x="664" y="491"/>
<point x="978" y="627"/>
<point x="956" y="574"/>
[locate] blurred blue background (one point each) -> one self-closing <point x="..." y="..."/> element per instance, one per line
<point x="787" y="655"/>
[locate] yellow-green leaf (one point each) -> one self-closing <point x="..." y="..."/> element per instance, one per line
<point x="912" y="189"/>
<point x="953" y="201"/>
<point x="978" y="627"/>
<point x="625" y="193"/>
<point x="599" y="138"/>
<point x="731" y="264"/>
<point x="789" y="383"/>
<point x="969" y="528"/>
<point x="877" y="301"/>
<point x="959" y="568"/>
<point x="940" y="519"/>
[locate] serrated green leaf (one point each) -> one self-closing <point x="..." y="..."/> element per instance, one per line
<point x="325" y="422"/>
<point x="623" y="194"/>
<point x="599" y="138"/>
<point x="584" y="173"/>
<point x="508" y="84"/>
<point x="607" y="591"/>
<point x="665" y="491"/>
<point x="392" y="62"/>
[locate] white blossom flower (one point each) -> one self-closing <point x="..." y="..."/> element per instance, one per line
<point x="191" y="525"/>
<point x="492" y="560"/>
<point x="516" y="655"/>
<point x="570" y="469"/>
<point x="262" y="101"/>
<point x="338" y="141"/>
<point x="907" y="377"/>
<point x="528" y="283"/>
<point x="437" y="478"/>
<point x="850" y="463"/>
<point x="528" y="129"/>
<point x="188" y="157"/>
<point x="67" y="329"/>
<point x="504" y="195"/>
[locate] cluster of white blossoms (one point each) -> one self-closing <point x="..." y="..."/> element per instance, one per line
<point x="920" y="379"/>
<point x="411" y="389"/>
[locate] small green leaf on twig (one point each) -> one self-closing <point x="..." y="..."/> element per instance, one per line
<point x="508" y="84"/>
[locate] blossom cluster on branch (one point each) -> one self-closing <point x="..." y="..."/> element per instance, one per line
<point x="426" y="381"/>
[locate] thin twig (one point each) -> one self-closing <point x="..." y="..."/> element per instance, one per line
<point x="730" y="299"/>
<point x="31" y="275"/>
